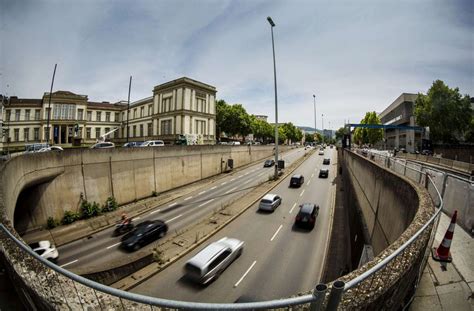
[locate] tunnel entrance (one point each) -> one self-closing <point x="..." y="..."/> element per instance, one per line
<point x="26" y="216"/>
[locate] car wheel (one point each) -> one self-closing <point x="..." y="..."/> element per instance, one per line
<point x="136" y="247"/>
<point x="162" y="234"/>
<point x="239" y="253"/>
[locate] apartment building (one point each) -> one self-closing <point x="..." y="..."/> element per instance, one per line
<point x="180" y="108"/>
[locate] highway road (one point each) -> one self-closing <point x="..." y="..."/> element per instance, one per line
<point x="279" y="260"/>
<point x="97" y="251"/>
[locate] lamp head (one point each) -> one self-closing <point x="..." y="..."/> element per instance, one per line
<point x="269" y="19"/>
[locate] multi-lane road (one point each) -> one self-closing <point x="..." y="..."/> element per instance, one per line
<point x="98" y="251"/>
<point x="279" y="260"/>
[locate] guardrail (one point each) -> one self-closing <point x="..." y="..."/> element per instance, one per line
<point x="56" y="287"/>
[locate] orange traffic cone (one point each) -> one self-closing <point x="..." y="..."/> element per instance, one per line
<point x="442" y="252"/>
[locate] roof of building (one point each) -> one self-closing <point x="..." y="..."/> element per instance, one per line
<point x="104" y="105"/>
<point x="22" y="102"/>
<point x="185" y="80"/>
<point x="404" y="97"/>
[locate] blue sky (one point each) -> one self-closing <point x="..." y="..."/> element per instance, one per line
<point x="356" y="56"/>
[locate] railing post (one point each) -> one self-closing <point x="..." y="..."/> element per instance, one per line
<point x="318" y="296"/>
<point x="335" y="295"/>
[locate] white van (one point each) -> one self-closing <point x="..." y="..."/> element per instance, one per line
<point x="210" y="262"/>
<point x="153" y="143"/>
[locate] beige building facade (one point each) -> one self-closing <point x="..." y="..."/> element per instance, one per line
<point x="180" y="109"/>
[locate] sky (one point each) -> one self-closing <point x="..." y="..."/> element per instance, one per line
<point x="355" y="56"/>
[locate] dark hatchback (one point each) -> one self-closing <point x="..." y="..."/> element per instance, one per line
<point x="269" y="163"/>
<point x="323" y="173"/>
<point x="306" y="217"/>
<point x="144" y="233"/>
<point x="326" y="161"/>
<point x="296" y="180"/>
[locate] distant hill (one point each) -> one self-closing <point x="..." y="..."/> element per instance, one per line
<point x="307" y="129"/>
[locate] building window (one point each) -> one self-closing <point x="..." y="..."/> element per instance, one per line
<point x="123" y="116"/>
<point x="150" y="129"/>
<point x="88" y="132"/>
<point x="166" y="104"/>
<point x="6" y="135"/>
<point x="134" y="131"/>
<point x="64" y="111"/>
<point x="7" y="115"/>
<point x="117" y="117"/>
<point x="107" y="117"/>
<point x="89" y="115"/>
<point x="37" y="115"/>
<point x="17" y="114"/>
<point x="26" y="134"/>
<point x="166" y="127"/>
<point x="97" y="132"/>
<point x="135" y="113"/>
<point x="150" y="110"/>
<point x="27" y="115"/>
<point x="36" y="133"/>
<point x="16" y="135"/>
<point x="80" y="114"/>
<point x="200" y="127"/>
<point x="98" y="116"/>
<point x="141" y="130"/>
<point x="200" y="105"/>
<point x="142" y="112"/>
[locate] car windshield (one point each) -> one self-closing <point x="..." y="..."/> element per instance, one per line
<point x="306" y="209"/>
<point x="266" y="201"/>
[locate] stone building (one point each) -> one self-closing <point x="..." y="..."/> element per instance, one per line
<point x="179" y="109"/>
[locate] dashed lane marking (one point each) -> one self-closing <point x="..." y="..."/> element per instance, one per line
<point x="291" y="210"/>
<point x="69" y="263"/>
<point x="275" y="234"/>
<point x="208" y="201"/>
<point x="113" y="245"/>
<point x="301" y="194"/>
<point x="245" y="274"/>
<point x="174" y="218"/>
<point x="188" y="198"/>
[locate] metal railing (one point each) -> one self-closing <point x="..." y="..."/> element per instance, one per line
<point x="63" y="289"/>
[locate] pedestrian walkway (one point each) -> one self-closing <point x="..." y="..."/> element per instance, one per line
<point x="449" y="289"/>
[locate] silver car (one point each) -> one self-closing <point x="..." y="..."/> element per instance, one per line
<point x="269" y="202"/>
<point x="46" y="250"/>
<point x="210" y="262"/>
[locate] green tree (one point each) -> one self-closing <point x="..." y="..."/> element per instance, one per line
<point x="222" y="112"/>
<point x="309" y="138"/>
<point x="341" y="132"/>
<point x="261" y="129"/>
<point x="445" y="112"/>
<point x="364" y="135"/>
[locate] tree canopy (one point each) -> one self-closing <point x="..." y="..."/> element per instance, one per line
<point x="365" y="135"/>
<point x="445" y="112"/>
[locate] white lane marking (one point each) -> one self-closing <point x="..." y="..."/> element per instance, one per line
<point x="113" y="245"/>
<point x="294" y="205"/>
<point x="245" y="274"/>
<point x="260" y="174"/>
<point x="309" y="181"/>
<point x="239" y="176"/>
<point x="172" y="204"/>
<point x="208" y="201"/>
<point x="246" y="182"/>
<point x="155" y="211"/>
<point x="170" y="220"/>
<point x="312" y="175"/>
<point x="213" y="187"/>
<point x="230" y="190"/>
<point x="69" y="263"/>
<point x="232" y="179"/>
<point x="278" y="230"/>
<point x="301" y="194"/>
<point x="202" y="192"/>
<point x="246" y="173"/>
<point x="136" y="218"/>
<point x="225" y="182"/>
<point x="188" y="198"/>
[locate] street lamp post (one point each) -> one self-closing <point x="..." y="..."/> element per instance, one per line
<point x="322" y="124"/>
<point x="49" y="105"/>
<point x="272" y="24"/>
<point x="314" y="101"/>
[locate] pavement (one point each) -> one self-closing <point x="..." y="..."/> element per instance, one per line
<point x="449" y="288"/>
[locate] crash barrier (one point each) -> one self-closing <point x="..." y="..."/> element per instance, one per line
<point x="380" y="284"/>
<point x="457" y="192"/>
<point x="466" y="167"/>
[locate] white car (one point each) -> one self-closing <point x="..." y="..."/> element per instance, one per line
<point x="153" y="143"/>
<point x="46" y="250"/>
<point x="103" y="145"/>
<point x="270" y="202"/>
<point x="51" y="148"/>
<point x="210" y="262"/>
<point x="321" y="152"/>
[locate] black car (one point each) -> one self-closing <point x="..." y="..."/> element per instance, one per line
<point x="144" y="233"/>
<point x="326" y="161"/>
<point x="269" y="163"/>
<point x="296" y="180"/>
<point x="306" y="217"/>
<point x="323" y="173"/>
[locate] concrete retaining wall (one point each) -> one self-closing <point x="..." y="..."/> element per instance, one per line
<point x="59" y="181"/>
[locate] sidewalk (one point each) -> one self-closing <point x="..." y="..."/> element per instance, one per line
<point x="450" y="290"/>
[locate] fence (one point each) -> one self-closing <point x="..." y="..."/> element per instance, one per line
<point x="381" y="284"/>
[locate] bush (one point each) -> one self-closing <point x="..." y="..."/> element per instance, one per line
<point x="51" y="223"/>
<point x="69" y="217"/>
<point x="154" y="193"/>
<point x="110" y="205"/>
<point x="89" y="210"/>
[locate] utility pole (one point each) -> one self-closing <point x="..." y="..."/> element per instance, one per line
<point x="49" y="105"/>
<point x="272" y="24"/>
<point x="128" y="107"/>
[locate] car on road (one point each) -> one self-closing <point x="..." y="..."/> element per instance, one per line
<point x="323" y="173"/>
<point x="103" y="145"/>
<point x="296" y="180"/>
<point x="321" y="152"/>
<point x="46" y="250"/>
<point x="132" y="144"/>
<point x="269" y="202"/>
<point x="51" y="148"/>
<point x="269" y="163"/>
<point x="427" y="152"/>
<point x="144" y="233"/>
<point x="210" y="262"/>
<point x="306" y="217"/>
<point x="153" y="143"/>
<point x="326" y="161"/>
